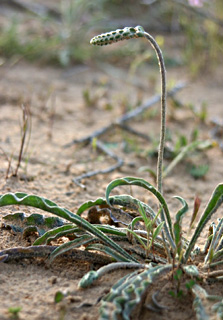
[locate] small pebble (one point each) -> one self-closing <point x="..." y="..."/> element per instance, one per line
<point x="53" y="280"/>
<point x="75" y="298"/>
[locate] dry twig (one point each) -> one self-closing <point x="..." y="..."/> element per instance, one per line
<point x="119" y="122"/>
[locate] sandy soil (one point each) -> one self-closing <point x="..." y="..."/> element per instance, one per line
<point x="59" y="115"/>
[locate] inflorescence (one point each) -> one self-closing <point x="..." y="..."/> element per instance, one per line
<point x="119" y="34"/>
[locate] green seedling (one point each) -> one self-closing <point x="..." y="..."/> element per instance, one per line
<point x="88" y="100"/>
<point x="178" y="292"/>
<point x="189" y="285"/>
<point x="177" y="276"/>
<point x="91" y="98"/>
<point x="14" y="312"/>
<point x="199" y="171"/>
<point x="59" y="296"/>
<point x="202" y="114"/>
<point x="180" y="143"/>
<point x="188" y="149"/>
<point x="152" y="228"/>
<point x="183" y="150"/>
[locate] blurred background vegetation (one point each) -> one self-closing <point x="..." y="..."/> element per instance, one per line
<point x="58" y="32"/>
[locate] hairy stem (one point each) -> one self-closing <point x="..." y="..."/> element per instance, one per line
<point x="163" y="108"/>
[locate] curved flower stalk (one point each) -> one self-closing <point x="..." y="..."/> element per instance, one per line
<point x="138" y="32"/>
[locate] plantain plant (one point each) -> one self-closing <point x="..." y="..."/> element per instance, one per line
<point x="170" y="253"/>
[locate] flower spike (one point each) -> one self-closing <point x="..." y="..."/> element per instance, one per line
<point x="118" y="35"/>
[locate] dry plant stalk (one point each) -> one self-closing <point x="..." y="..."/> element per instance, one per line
<point x="25" y="130"/>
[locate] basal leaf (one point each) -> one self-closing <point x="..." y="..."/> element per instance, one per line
<point x="107" y="250"/>
<point x="63" y="248"/>
<point x="55" y="233"/>
<point x="49" y="206"/>
<point x="90" y="204"/>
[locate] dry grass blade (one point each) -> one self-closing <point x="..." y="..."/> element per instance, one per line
<point x="25" y="128"/>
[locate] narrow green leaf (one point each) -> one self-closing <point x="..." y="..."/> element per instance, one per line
<point x="130" y="202"/>
<point x="133" y="222"/>
<point x="144" y="184"/>
<point x="155" y="220"/>
<point x="111" y="230"/>
<point x="89" y="204"/>
<point x="214" y="241"/>
<point x="190" y="284"/>
<point x="178" y="225"/>
<point x="182" y="211"/>
<point x="138" y="238"/>
<point x="63" y="248"/>
<point x="143" y="214"/>
<point x="55" y="233"/>
<point x="59" y="296"/>
<point x="213" y="204"/>
<point x="177" y="236"/>
<point x="217" y="255"/>
<point x="107" y="250"/>
<point x="218" y="233"/>
<point x="158" y="230"/>
<point x="207" y="243"/>
<point x="49" y="206"/>
<point x="181" y="155"/>
<point x="178" y="274"/>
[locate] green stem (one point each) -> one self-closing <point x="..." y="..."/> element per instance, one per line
<point x="163" y="108"/>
